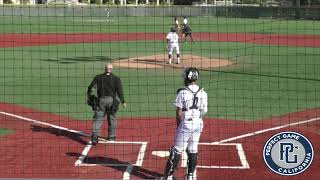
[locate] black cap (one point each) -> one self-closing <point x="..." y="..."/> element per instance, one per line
<point x="172" y="30"/>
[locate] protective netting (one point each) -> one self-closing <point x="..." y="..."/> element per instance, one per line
<point x="258" y="65"/>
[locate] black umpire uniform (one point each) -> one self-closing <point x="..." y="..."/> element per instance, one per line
<point x="110" y="94"/>
<point x="187" y="32"/>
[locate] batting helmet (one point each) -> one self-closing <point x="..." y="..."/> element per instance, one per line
<point x="191" y="74"/>
<point x="172" y="30"/>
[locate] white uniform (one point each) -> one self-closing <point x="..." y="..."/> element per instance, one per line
<point x="185" y="21"/>
<point x="191" y="124"/>
<point x="173" y="44"/>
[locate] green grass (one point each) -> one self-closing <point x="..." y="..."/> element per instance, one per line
<point x="98" y="24"/>
<point x="4" y="132"/>
<point x="264" y="81"/>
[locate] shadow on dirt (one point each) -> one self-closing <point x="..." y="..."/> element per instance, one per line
<point x="59" y="132"/>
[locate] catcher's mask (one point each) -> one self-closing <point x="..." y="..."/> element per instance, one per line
<point x="191" y="74"/>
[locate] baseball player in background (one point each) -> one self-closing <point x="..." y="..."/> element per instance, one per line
<point x="173" y="44"/>
<point x="191" y="104"/>
<point x="186" y="31"/>
<point x="185" y="21"/>
<point x="176" y="24"/>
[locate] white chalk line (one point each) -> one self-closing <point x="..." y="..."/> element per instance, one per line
<point x="266" y="130"/>
<point x="241" y="154"/>
<point x="129" y="167"/>
<point x="126" y="175"/>
<point x="83" y="154"/>
<point x="86" y="150"/>
<point x="45" y="124"/>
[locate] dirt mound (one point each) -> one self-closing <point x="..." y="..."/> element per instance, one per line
<point x="161" y="61"/>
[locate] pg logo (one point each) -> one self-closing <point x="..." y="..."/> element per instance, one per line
<point x="288" y="153"/>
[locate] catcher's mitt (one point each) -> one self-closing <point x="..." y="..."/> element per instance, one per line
<point x="93" y="101"/>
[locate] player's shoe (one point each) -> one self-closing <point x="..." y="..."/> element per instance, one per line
<point x="111" y="138"/>
<point x="167" y="178"/>
<point x="189" y="177"/>
<point x="94" y="139"/>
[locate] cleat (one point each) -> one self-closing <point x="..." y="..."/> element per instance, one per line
<point x="167" y="178"/>
<point x="111" y="138"/>
<point x="189" y="177"/>
<point x="94" y="139"/>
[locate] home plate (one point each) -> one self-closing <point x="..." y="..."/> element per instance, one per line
<point x="161" y="153"/>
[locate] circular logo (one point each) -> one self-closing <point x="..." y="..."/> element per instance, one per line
<point x="288" y="153"/>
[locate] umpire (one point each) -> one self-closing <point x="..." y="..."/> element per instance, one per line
<point x="186" y="31"/>
<point x="109" y="92"/>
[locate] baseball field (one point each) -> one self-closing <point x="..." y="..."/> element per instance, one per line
<point x="261" y="75"/>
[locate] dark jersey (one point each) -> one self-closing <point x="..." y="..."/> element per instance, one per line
<point x="107" y="84"/>
<point x="186" y="29"/>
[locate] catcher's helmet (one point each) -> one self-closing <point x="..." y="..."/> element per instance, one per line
<point x="172" y="30"/>
<point x="191" y="74"/>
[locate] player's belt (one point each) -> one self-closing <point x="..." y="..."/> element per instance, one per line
<point x="101" y="97"/>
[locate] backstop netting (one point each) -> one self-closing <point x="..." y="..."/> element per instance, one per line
<point x="258" y="65"/>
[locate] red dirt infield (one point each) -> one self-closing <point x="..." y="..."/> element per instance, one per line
<point x="41" y="151"/>
<point x="22" y="40"/>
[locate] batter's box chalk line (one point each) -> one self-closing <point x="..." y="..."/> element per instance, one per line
<point x="139" y="161"/>
<point x="238" y="148"/>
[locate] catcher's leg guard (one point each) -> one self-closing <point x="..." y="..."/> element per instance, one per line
<point x="172" y="162"/>
<point x="192" y="163"/>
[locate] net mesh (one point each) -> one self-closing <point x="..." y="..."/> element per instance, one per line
<point x="258" y="65"/>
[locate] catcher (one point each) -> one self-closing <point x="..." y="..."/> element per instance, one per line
<point x="109" y="91"/>
<point x="191" y="104"/>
